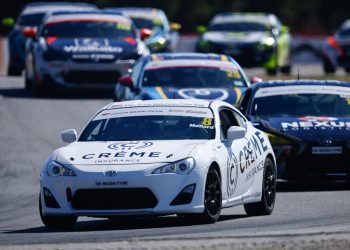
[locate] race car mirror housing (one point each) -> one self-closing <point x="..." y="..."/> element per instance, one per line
<point x="69" y="135"/>
<point x="145" y="33"/>
<point x="29" y="32"/>
<point x="126" y="80"/>
<point x="235" y="133"/>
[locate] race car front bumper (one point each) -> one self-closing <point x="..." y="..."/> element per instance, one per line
<point x="128" y="193"/>
<point x="69" y="74"/>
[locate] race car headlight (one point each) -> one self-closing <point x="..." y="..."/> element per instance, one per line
<point x="348" y="144"/>
<point x="184" y="166"/>
<point x="56" y="169"/>
<point x="266" y="42"/>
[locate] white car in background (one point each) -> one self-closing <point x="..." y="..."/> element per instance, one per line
<point x="159" y="157"/>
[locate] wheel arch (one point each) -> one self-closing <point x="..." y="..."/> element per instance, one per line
<point x="216" y="166"/>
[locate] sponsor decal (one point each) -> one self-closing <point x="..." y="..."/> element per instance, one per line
<point x="201" y="126"/>
<point x="210" y="93"/>
<point x="118" y="183"/>
<point x="130" y="145"/>
<point x="232" y="174"/>
<point x="255" y="147"/>
<point x="89" y="45"/>
<point x="316" y="122"/>
<point x="255" y="170"/>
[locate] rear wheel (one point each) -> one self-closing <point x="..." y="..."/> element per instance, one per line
<point x="57" y="222"/>
<point x="212" y="200"/>
<point x="268" y="196"/>
<point x="12" y="71"/>
<point x="328" y="67"/>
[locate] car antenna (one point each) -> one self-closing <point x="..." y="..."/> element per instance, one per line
<point x="298" y="75"/>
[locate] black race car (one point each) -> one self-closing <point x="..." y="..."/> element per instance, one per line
<point x="31" y="17"/>
<point x="252" y="39"/>
<point x="308" y="123"/>
<point x="81" y="50"/>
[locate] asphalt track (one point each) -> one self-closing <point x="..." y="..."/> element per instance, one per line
<point x="29" y="131"/>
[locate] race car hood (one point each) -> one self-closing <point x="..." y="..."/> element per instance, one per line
<point x="125" y="152"/>
<point x="230" y="95"/>
<point x="83" y="48"/>
<point x="308" y="128"/>
<point x="235" y="37"/>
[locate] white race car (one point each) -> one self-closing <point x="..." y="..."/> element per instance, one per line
<point x="159" y="157"/>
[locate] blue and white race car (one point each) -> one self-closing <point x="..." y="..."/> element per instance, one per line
<point x="31" y="17"/>
<point x="184" y="76"/>
<point x="80" y="50"/>
<point x="159" y="157"/>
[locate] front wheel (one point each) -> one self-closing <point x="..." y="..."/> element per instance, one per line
<point x="57" y="222"/>
<point x="212" y="200"/>
<point x="268" y="196"/>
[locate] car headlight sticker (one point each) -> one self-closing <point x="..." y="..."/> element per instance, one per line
<point x="182" y="167"/>
<point x="56" y="169"/>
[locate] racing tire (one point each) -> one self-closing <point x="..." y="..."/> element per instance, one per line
<point x="57" y="222"/>
<point x="271" y="72"/>
<point x="328" y="67"/>
<point x="212" y="200"/>
<point x="268" y="196"/>
<point x="27" y="83"/>
<point x="286" y="69"/>
<point x="12" y="71"/>
<point x="36" y="90"/>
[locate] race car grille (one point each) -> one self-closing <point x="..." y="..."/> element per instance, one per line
<point x="110" y="199"/>
<point x="92" y="77"/>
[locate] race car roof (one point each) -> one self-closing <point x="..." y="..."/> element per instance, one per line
<point x="91" y="16"/>
<point x="159" y="103"/>
<point x="241" y="17"/>
<point x="304" y="82"/>
<point x="35" y="8"/>
<point x="147" y="13"/>
<point x="191" y="63"/>
<point x="183" y="56"/>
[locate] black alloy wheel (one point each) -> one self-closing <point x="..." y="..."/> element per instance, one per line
<point x="268" y="196"/>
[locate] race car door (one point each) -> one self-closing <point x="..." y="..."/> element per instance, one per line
<point x="234" y="151"/>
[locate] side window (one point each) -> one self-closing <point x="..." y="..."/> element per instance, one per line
<point x="227" y="119"/>
<point x="240" y="119"/>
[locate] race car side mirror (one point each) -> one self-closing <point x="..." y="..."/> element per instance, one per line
<point x="29" y="32"/>
<point x="255" y="79"/>
<point x="69" y="135"/>
<point x="235" y="133"/>
<point x="145" y="33"/>
<point x="126" y="80"/>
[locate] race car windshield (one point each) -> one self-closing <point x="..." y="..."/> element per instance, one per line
<point x="147" y="23"/>
<point x="344" y="32"/>
<point x="94" y="29"/>
<point x="33" y="20"/>
<point x="301" y="104"/>
<point x="238" y="27"/>
<point x="193" y="77"/>
<point x="156" y="127"/>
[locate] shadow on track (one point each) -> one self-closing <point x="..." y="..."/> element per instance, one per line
<point x="311" y="186"/>
<point x="57" y="94"/>
<point x="124" y="223"/>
